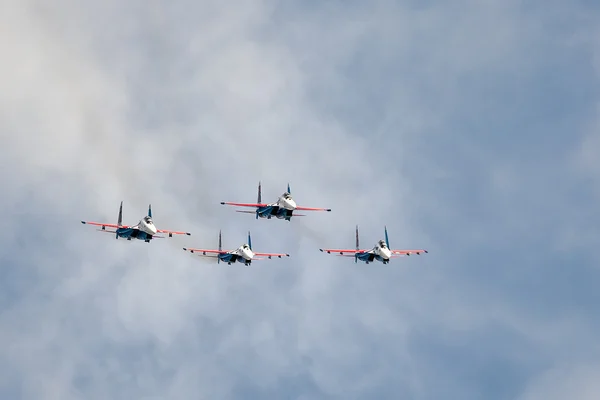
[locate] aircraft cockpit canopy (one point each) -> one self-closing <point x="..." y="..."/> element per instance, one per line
<point x="382" y="244"/>
<point x="245" y="246"/>
<point x="287" y="196"/>
<point x="148" y="220"/>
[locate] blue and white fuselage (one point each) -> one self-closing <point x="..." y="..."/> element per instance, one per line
<point x="242" y="254"/>
<point x="283" y="208"/>
<point x="381" y="252"/>
<point x="378" y="253"/>
<point x="144" y="230"/>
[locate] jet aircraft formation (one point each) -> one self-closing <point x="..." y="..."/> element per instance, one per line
<point x="284" y="208"/>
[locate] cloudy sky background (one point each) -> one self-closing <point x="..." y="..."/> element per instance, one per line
<point x="470" y="128"/>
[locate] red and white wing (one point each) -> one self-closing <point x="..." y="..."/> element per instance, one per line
<point x="206" y="252"/>
<point x="254" y="212"/>
<point x="104" y="225"/>
<point x="255" y="205"/>
<point x="171" y="233"/>
<point x="408" y="252"/>
<point x="343" y="252"/>
<point x="270" y="255"/>
<point x="312" y="209"/>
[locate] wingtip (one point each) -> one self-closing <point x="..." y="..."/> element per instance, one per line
<point x="83" y="222"/>
<point x="329" y="209"/>
<point x="189" y="234"/>
<point x="223" y="203"/>
<point x="320" y="249"/>
<point x="287" y="255"/>
<point x="184" y="249"/>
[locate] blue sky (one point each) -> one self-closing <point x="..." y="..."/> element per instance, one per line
<point x="469" y="129"/>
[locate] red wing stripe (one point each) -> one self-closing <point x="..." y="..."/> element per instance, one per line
<point x="243" y="204"/>
<point x="205" y="251"/>
<point x="101" y="224"/>
<point x="407" y="252"/>
<point x="312" y="209"/>
<point x="342" y="251"/>
<point x="271" y="254"/>
<point x="173" y="232"/>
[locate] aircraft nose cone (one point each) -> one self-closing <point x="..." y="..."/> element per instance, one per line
<point x="291" y="204"/>
<point x="152" y="229"/>
<point x="386" y="253"/>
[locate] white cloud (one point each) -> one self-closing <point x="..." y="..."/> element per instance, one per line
<point x="569" y="382"/>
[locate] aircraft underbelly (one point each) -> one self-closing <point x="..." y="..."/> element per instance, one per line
<point x="130" y="233"/>
<point x="366" y="257"/>
<point x="228" y="257"/>
<point x="126" y="232"/>
<point x="266" y="212"/>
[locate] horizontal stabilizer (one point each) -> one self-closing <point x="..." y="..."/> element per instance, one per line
<point x="215" y="256"/>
